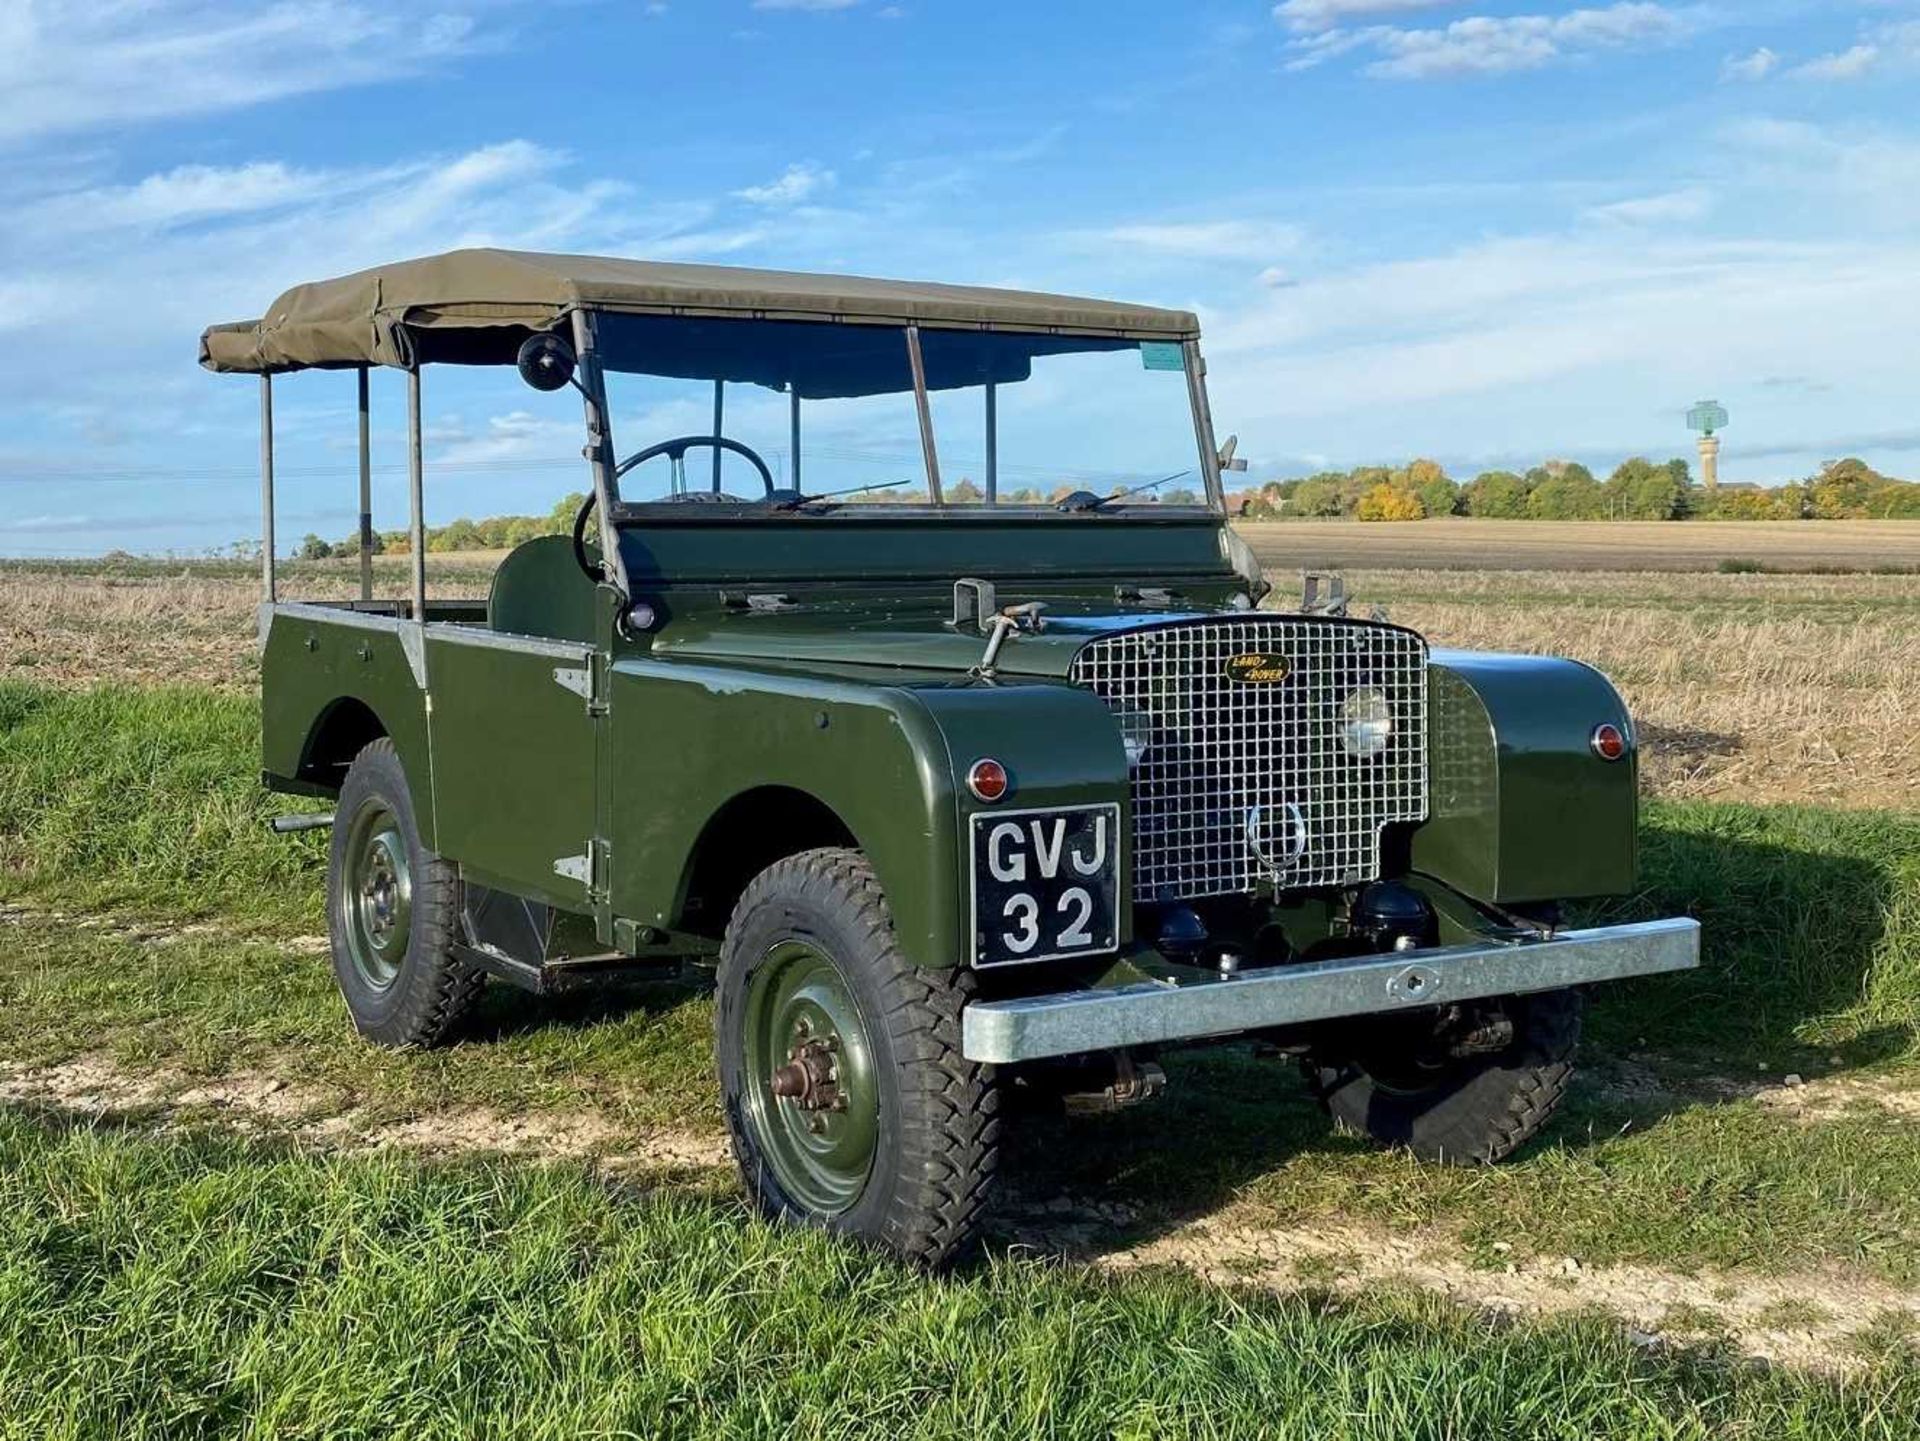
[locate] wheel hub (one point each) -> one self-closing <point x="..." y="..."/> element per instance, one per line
<point x="810" y="1079"/>
<point x="376" y="900"/>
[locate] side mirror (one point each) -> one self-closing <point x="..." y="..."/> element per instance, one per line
<point x="546" y="362"/>
<point x="1227" y="458"/>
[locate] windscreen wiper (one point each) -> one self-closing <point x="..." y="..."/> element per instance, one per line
<point x="1085" y="500"/>
<point x="796" y="501"/>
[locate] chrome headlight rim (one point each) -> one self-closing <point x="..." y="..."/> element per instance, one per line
<point x="1366" y="722"/>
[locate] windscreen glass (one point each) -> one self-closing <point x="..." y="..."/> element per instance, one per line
<point x="1019" y="420"/>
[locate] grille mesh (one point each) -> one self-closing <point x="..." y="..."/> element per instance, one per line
<point x="1223" y="758"/>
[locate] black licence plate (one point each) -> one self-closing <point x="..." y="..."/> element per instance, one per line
<point x="1046" y="884"/>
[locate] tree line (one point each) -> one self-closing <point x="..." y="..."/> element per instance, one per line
<point x="1637" y="489"/>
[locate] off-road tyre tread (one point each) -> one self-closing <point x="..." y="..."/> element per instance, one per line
<point x="436" y="989"/>
<point x="942" y="1171"/>
<point x="1499" y="1104"/>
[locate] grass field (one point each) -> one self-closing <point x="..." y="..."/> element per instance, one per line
<point x="220" y="1213"/>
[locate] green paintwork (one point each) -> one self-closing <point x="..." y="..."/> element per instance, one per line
<point x="312" y="666"/>
<point x="1521" y="809"/>
<point x="515" y="759"/>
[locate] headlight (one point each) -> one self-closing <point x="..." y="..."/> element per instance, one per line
<point x="1366" y="723"/>
<point x="1136" y="734"/>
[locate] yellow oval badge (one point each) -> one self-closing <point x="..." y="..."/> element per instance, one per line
<point x="1258" y="667"/>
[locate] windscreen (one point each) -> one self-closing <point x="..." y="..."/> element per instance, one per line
<point x="816" y="413"/>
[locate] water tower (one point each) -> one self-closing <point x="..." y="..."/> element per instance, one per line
<point x="1707" y="416"/>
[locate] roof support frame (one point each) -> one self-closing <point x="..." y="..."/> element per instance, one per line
<point x="416" y="496"/>
<point x="600" y="455"/>
<point x="267" y="581"/>
<point x="366" y="486"/>
<point x="1196" y="368"/>
<point x="924" y="407"/>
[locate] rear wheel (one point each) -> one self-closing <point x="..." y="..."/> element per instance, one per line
<point x="850" y="1104"/>
<point x="392" y="912"/>
<point x="1467" y="1088"/>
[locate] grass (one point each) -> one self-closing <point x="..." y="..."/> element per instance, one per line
<point x="146" y="799"/>
<point x="199" y="1286"/>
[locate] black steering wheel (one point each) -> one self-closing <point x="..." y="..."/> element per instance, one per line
<point x="596" y="572"/>
<point x="676" y="450"/>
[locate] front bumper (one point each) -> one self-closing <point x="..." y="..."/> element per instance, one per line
<point x="1074" y="1022"/>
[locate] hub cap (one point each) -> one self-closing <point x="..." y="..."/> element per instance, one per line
<point x="376" y="896"/>
<point x="810" y="1098"/>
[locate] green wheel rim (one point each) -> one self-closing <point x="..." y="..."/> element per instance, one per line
<point x="820" y="1148"/>
<point x="376" y="896"/>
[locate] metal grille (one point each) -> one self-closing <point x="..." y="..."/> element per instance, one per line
<point x="1237" y="781"/>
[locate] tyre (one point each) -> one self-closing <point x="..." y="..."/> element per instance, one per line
<point x="393" y="910"/>
<point x="850" y="1104"/>
<point x="1441" y="1091"/>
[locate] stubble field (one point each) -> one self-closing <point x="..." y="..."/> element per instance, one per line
<point x="221" y="1213"/>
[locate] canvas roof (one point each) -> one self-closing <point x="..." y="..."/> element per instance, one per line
<point x="476" y="306"/>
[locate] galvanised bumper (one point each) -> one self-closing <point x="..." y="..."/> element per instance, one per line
<point x="1072" y="1022"/>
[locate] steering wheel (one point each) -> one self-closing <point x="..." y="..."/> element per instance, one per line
<point x="676" y="450"/>
<point x="596" y="572"/>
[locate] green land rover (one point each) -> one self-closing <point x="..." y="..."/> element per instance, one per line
<point x="983" y="793"/>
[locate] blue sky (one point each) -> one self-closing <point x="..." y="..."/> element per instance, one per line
<point x="1487" y="232"/>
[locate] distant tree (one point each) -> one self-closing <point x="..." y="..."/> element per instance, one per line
<point x="313" y="548"/>
<point x="1640" y="490"/>
<point x="964" y="492"/>
<point x="1389" y="502"/>
<point x="1438" y="494"/>
<point x="1565" y="491"/>
<point x="1316" y="497"/>
<point x="560" y="518"/>
<point x="1843" y="489"/>
<point x="1026" y="495"/>
<point x="1496" y="495"/>
<point x="1182" y="496"/>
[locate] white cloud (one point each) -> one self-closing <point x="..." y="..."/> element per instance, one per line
<point x="1848" y="64"/>
<point x="34" y="524"/>
<point x="1494" y="45"/>
<point x="815" y="5"/>
<point x="1252" y="240"/>
<point x="797" y="183"/>
<point x="68" y="65"/>
<point x="1317" y="15"/>
<point x="1671" y="207"/>
<point x="1756" y="66"/>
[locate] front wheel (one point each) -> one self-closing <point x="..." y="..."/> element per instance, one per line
<point x="1465" y="1087"/>
<point x="850" y="1104"/>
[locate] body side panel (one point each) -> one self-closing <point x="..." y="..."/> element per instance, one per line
<point x="312" y="659"/>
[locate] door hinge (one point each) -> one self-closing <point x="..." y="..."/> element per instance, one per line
<point x="591" y="870"/>
<point x="585" y="682"/>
